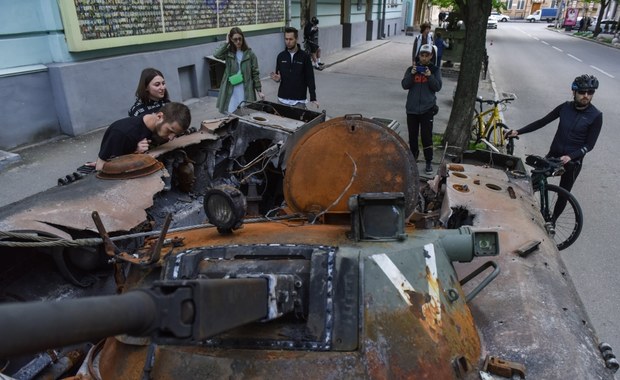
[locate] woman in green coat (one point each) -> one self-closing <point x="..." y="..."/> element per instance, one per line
<point x="241" y="80"/>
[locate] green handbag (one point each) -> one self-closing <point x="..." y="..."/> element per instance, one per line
<point x="236" y="78"/>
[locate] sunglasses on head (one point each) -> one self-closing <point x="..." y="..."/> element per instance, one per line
<point x="583" y="92"/>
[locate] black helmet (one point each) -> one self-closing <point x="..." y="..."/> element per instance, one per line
<point x="314" y="21"/>
<point x="585" y="82"/>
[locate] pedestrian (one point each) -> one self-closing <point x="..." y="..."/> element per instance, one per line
<point x="311" y="42"/>
<point x="294" y="73"/>
<point x="578" y="129"/>
<point x="582" y="22"/>
<point x="241" y="79"/>
<point x="442" y="18"/>
<point x="441" y="44"/>
<point x="422" y="82"/>
<point x="424" y="38"/>
<point x="134" y="134"/>
<point x="151" y="93"/>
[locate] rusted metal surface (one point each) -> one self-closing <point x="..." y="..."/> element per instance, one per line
<point x="130" y="166"/>
<point x="345" y="156"/>
<point x="532" y="304"/>
<point x="413" y="332"/>
<point x="121" y="205"/>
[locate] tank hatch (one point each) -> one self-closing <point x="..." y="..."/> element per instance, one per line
<point x="345" y="156"/>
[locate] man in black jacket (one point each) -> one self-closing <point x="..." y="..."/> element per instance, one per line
<point x="294" y="72"/>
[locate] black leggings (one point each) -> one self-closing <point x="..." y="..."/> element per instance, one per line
<point x="571" y="171"/>
<point x="422" y="123"/>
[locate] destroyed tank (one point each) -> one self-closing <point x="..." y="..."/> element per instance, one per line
<point x="363" y="272"/>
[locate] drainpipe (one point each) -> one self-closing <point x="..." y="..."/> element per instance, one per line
<point x="288" y="12"/>
<point x="379" y="20"/>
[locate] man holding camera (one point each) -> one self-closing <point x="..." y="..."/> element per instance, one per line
<point x="422" y="80"/>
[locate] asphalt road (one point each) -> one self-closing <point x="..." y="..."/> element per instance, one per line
<point x="538" y="66"/>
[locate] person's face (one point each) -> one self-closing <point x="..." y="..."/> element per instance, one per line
<point x="290" y="41"/>
<point x="583" y="98"/>
<point x="425" y="31"/>
<point x="237" y="40"/>
<point x="166" y="130"/>
<point x="156" y="88"/>
<point x="425" y="58"/>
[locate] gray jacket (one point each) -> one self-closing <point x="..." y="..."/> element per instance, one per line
<point x="421" y="96"/>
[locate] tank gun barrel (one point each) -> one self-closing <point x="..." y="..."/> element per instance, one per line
<point x="171" y="312"/>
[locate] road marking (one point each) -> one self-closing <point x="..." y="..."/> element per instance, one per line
<point x="538" y="39"/>
<point x="558" y="49"/>
<point x="543" y="42"/>
<point x="597" y="69"/>
<point x="573" y="57"/>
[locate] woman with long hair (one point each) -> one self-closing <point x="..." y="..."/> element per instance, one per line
<point x="241" y="80"/>
<point x="151" y="93"/>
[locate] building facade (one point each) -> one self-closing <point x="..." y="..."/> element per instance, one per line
<point x="72" y="66"/>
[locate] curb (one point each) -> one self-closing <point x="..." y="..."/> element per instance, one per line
<point x="8" y="158"/>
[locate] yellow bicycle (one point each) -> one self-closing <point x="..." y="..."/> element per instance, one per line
<point x="491" y="131"/>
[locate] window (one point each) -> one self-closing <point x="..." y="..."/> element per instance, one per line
<point x="520" y="4"/>
<point x="508" y="5"/>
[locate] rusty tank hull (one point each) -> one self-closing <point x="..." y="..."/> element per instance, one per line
<point x="370" y="272"/>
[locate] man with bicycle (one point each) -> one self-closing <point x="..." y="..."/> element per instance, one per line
<point x="578" y="129"/>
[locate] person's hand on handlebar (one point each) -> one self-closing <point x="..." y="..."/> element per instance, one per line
<point x="565" y="159"/>
<point x="511" y="133"/>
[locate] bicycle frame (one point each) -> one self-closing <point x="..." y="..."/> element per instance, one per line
<point x="490" y="123"/>
<point x="539" y="184"/>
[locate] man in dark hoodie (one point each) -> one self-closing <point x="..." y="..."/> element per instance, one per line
<point x="422" y="81"/>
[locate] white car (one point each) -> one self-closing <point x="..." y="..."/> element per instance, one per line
<point x="499" y="17"/>
<point x="491" y="23"/>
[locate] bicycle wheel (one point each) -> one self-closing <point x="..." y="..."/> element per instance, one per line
<point x="569" y="220"/>
<point x="495" y="137"/>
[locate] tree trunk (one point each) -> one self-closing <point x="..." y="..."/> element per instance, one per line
<point x="475" y="15"/>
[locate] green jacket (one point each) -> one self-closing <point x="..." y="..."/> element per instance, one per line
<point x="249" y="69"/>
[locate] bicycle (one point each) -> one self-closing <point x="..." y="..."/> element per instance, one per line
<point x="491" y="132"/>
<point x="560" y="210"/>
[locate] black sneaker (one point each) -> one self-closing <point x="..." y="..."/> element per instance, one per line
<point x="321" y="64"/>
<point x="318" y="68"/>
<point x="429" y="168"/>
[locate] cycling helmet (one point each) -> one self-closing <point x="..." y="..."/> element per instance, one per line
<point x="314" y="21"/>
<point x="585" y="82"/>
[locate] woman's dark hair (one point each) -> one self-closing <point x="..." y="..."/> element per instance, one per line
<point x="145" y="78"/>
<point x="233" y="31"/>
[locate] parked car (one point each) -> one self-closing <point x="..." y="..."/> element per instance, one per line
<point x="499" y="17"/>
<point x="491" y="23"/>
<point x="592" y="23"/>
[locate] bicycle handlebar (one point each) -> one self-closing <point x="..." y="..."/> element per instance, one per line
<point x="548" y="166"/>
<point x="492" y="101"/>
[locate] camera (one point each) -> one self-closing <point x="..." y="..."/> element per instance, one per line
<point x="420" y="69"/>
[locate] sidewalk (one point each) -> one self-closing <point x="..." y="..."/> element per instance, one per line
<point x="364" y="79"/>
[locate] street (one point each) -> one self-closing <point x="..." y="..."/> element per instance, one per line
<point x="538" y="66"/>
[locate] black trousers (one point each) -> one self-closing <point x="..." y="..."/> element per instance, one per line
<point x="571" y="171"/>
<point x="421" y="125"/>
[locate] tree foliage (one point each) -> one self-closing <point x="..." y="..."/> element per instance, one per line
<point x="474" y="14"/>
